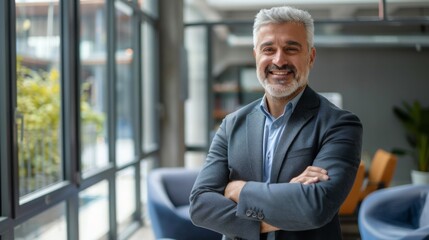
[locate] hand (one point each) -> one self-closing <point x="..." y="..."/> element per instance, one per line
<point x="265" y="227"/>
<point x="233" y="190"/>
<point x="311" y="174"/>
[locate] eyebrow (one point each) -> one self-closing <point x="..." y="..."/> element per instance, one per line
<point x="290" y="42"/>
<point x="294" y="43"/>
<point x="269" y="43"/>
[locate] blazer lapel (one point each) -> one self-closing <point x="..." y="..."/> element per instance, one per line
<point x="255" y="134"/>
<point x="304" y="111"/>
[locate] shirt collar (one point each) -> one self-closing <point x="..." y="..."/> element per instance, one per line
<point x="289" y="107"/>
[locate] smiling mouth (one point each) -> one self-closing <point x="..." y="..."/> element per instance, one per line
<point x="281" y="72"/>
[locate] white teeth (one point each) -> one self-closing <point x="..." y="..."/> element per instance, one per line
<point x="280" y="72"/>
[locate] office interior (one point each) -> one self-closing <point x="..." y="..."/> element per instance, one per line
<point x="95" y="94"/>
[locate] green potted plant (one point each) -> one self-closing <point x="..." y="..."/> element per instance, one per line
<point x="415" y="120"/>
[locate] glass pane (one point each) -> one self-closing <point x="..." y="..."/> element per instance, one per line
<point x="93" y="58"/>
<point x="38" y="110"/>
<point x="196" y="104"/>
<point x="125" y="105"/>
<point x="145" y="167"/>
<point x="94" y="212"/>
<point x="50" y="224"/>
<point x="150" y="89"/>
<point x="149" y="6"/>
<point x="125" y="197"/>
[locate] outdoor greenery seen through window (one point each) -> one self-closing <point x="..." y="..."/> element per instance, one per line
<point x="39" y="121"/>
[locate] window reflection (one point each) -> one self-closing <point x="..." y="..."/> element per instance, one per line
<point x="125" y="132"/>
<point x="94" y="212"/>
<point x="50" y="224"/>
<point x="93" y="84"/>
<point x="38" y="110"/>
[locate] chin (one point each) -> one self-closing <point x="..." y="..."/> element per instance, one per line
<point x="281" y="91"/>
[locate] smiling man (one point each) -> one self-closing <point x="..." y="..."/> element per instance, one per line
<point x="280" y="167"/>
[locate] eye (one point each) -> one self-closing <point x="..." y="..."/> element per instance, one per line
<point x="268" y="50"/>
<point x="292" y="49"/>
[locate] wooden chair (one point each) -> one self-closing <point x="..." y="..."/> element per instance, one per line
<point x="348" y="213"/>
<point x="380" y="173"/>
<point x="349" y="205"/>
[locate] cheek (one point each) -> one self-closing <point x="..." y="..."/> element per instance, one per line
<point x="263" y="62"/>
<point x="302" y="64"/>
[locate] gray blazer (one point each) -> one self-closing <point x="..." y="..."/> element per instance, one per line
<point x="318" y="133"/>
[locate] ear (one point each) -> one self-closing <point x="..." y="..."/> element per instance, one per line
<point x="312" y="56"/>
<point x="254" y="53"/>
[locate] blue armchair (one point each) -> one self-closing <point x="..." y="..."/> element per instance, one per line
<point x="400" y="212"/>
<point x="168" y="204"/>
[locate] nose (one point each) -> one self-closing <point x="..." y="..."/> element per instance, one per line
<point x="280" y="58"/>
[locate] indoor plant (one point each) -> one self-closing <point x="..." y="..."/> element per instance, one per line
<point x="415" y="120"/>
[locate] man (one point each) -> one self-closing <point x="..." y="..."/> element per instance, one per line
<point x="280" y="167"/>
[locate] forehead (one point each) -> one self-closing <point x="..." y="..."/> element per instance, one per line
<point x="282" y="32"/>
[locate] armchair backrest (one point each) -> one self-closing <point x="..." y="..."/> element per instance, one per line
<point x="382" y="167"/>
<point x="381" y="172"/>
<point x="178" y="185"/>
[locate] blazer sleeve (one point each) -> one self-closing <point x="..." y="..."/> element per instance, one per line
<point x="297" y="207"/>
<point x="208" y="206"/>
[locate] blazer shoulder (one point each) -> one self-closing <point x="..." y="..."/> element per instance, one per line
<point x="239" y="116"/>
<point x="245" y="110"/>
<point x="331" y="113"/>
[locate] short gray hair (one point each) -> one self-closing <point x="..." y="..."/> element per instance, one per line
<point x="284" y="14"/>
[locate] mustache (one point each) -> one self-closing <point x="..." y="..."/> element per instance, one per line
<point x="285" y="67"/>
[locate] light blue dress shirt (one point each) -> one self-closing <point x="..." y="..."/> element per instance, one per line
<point x="273" y="130"/>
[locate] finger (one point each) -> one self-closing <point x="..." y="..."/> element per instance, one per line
<point x="304" y="179"/>
<point x="310" y="179"/>
<point x="316" y="169"/>
<point x="321" y="175"/>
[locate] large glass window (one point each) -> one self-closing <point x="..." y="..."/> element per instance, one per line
<point x="38" y="110"/>
<point x="50" y="224"/>
<point x="94" y="212"/>
<point x="93" y="84"/>
<point x="125" y="104"/>
<point x="68" y="66"/>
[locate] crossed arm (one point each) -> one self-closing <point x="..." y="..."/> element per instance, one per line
<point x="312" y="174"/>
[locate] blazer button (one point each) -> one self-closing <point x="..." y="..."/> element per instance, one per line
<point x="249" y="213"/>
<point x="261" y="216"/>
<point x="254" y="214"/>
